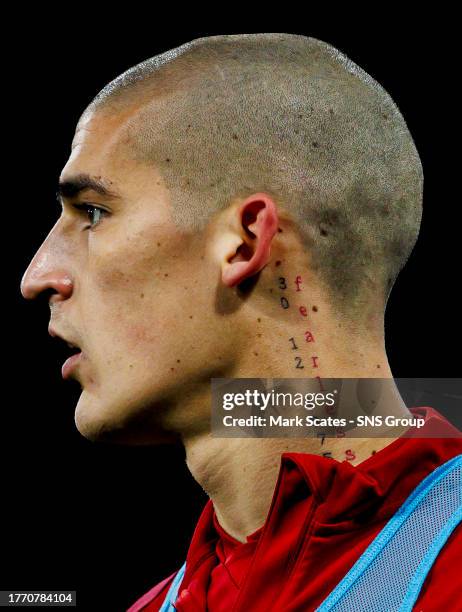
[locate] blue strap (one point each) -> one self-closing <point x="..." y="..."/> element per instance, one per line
<point x="419" y="577"/>
<point x="408" y="544"/>
<point x="172" y="594"/>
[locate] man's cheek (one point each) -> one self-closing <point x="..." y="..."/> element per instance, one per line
<point x="124" y="281"/>
<point x="141" y="339"/>
<point x="125" y="350"/>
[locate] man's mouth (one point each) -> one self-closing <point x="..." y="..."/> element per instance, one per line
<point x="73" y="359"/>
<point x="71" y="363"/>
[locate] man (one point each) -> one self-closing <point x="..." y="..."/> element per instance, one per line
<point x="224" y="203"/>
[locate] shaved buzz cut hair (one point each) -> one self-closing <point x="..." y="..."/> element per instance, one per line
<point x="223" y="117"/>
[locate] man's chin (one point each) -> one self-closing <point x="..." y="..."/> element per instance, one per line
<point x="109" y="424"/>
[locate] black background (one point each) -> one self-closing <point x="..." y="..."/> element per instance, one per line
<point x="110" y="522"/>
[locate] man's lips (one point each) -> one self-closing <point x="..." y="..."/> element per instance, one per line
<point x="70" y="364"/>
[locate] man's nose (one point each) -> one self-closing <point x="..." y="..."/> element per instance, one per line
<point x="44" y="273"/>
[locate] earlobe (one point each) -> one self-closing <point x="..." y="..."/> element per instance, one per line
<point x="258" y="220"/>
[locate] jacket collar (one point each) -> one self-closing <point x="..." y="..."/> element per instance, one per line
<point x="343" y="494"/>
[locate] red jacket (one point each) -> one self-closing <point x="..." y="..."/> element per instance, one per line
<point x="323" y="515"/>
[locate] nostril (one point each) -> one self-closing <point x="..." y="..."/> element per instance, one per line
<point x="52" y="287"/>
<point x="50" y="296"/>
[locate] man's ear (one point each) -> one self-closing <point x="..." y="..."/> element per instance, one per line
<point x="256" y="224"/>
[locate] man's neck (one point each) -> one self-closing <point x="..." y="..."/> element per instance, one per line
<point x="310" y="342"/>
<point x="240" y="474"/>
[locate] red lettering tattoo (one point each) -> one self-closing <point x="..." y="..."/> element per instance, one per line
<point x="350" y="455"/>
<point x="298" y="282"/>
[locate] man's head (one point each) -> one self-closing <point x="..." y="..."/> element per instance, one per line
<point x="212" y="163"/>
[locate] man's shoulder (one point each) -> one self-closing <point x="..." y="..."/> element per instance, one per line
<point x="153" y="599"/>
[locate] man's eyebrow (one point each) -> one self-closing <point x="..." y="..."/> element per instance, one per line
<point x="72" y="186"/>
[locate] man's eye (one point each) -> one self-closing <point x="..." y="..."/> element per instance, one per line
<point x="94" y="213"/>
